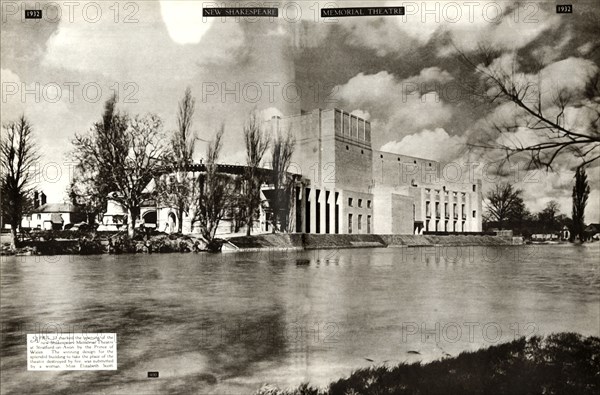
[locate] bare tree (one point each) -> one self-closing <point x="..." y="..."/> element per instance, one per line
<point x="176" y="189"/>
<point x="581" y="191"/>
<point x="257" y="143"/>
<point x="127" y="154"/>
<point x="216" y="193"/>
<point x="18" y="155"/>
<point x="283" y="182"/>
<point x="504" y="204"/>
<point x="541" y="112"/>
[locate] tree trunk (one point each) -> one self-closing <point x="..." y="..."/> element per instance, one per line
<point x="131" y="223"/>
<point x="13" y="241"/>
<point x="249" y="221"/>
<point x="180" y="220"/>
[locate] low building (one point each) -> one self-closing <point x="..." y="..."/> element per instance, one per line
<point x="53" y="216"/>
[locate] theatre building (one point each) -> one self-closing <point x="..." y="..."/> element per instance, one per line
<point x="348" y="187"/>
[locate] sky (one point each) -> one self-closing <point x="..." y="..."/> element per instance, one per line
<point x="404" y="74"/>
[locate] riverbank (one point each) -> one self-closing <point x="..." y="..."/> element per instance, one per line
<point x="86" y="243"/>
<point x="328" y="241"/>
<point x="563" y="363"/>
<point x="91" y="243"/>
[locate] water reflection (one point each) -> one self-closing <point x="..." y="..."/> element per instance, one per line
<point x="227" y="323"/>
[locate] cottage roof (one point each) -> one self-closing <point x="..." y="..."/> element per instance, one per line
<point x="592" y="228"/>
<point x="56" y="208"/>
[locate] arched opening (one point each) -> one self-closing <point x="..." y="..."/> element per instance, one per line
<point x="149" y="219"/>
<point x="172" y="223"/>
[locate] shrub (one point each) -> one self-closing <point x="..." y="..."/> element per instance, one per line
<point x="563" y="363"/>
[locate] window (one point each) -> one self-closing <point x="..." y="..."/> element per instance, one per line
<point x="39" y="216"/>
<point x="368" y="224"/>
<point x="427" y="209"/>
<point x="362" y="151"/>
<point x="359" y="227"/>
<point x="437" y="210"/>
<point x="368" y="204"/>
<point x="347" y="148"/>
<point x="398" y="159"/>
<point x="474" y="213"/>
<point x="381" y="156"/>
<point x="350" y="202"/>
<point x="446" y="212"/>
<point x="360" y="203"/>
<point x="427" y="226"/>
<point x="349" y="223"/>
<point x="474" y="188"/>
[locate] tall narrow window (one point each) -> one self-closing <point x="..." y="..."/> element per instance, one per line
<point x="349" y="223"/>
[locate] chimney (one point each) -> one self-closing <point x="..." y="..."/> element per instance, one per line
<point x="36" y="199"/>
<point x="43" y="197"/>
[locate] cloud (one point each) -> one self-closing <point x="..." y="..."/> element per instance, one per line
<point x="511" y="31"/>
<point x="361" y="114"/>
<point x="547" y="54"/>
<point x="271" y="112"/>
<point x="571" y="74"/>
<point x="184" y="21"/>
<point x="145" y="50"/>
<point x="12" y="106"/>
<point x="434" y="144"/>
<point x="506" y="26"/>
<point x="397" y="107"/>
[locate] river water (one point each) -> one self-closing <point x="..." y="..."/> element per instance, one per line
<point x="227" y="323"/>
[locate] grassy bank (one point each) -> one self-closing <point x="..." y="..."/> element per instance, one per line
<point x="564" y="363"/>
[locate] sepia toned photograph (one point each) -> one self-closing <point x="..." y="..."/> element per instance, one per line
<point x="299" y="197"/>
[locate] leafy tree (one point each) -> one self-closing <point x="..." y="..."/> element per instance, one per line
<point x="92" y="182"/>
<point x="18" y="156"/>
<point x="257" y="143"/>
<point x="177" y="189"/>
<point x="548" y="217"/>
<point x="505" y="205"/>
<point x="283" y="183"/>
<point x="581" y="191"/>
<point x="121" y="154"/>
